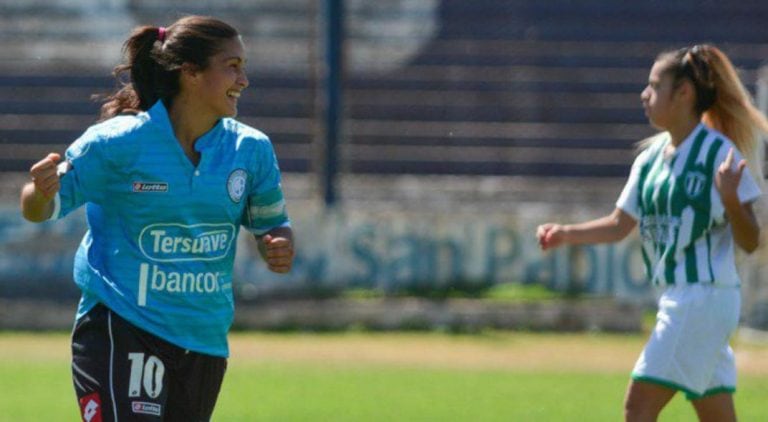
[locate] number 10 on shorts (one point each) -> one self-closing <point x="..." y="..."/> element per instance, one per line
<point x="148" y="374"/>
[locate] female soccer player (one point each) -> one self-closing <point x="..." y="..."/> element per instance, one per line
<point x="167" y="178"/>
<point x="693" y="200"/>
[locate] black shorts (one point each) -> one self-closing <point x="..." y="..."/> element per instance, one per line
<point x="122" y="373"/>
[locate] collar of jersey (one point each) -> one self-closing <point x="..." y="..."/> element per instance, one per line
<point x="686" y="144"/>
<point x="158" y="114"/>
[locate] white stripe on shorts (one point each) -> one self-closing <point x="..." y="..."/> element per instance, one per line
<point x="111" y="364"/>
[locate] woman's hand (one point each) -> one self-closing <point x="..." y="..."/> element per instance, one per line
<point x="550" y="235"/>
<point x="278" y="253"/>
<point x="744" y="225"/>
<point x="611" y="228"/>
<point x="44" y="176"/>
<point x="727" y="179"/>
<point x="37" y="195"/>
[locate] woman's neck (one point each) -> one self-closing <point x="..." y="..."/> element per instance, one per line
<point x="188" y="122"/>
<point x="680" y="131"/>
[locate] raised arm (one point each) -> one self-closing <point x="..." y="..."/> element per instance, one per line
<point x="37" y="195"/>
<point x="744" y="225"/>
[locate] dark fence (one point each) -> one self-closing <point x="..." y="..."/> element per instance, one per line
<point x="548" y="88"/>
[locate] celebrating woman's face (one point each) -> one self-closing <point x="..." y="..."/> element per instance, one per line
<point x="658" y="98"/>
<point x="223" y="80"/>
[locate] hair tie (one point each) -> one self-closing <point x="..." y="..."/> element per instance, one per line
<point x="161" y="34"/>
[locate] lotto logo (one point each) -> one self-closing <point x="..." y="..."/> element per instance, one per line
<point x="146" y="408"/>
<point x="90" y="408"/>
<point x="150" y="187"/>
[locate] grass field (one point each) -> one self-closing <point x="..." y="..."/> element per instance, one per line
<point x="492" y="376"/>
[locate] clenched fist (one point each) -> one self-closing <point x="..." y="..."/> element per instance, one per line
<point x="279" y="253"/>
<point x="44" y="176"/>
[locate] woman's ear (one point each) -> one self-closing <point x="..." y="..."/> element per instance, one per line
<point x="190" y="73"/>
<point x="685" y="91"/>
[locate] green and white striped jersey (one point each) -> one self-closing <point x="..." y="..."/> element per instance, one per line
<point x="686" y="237"/>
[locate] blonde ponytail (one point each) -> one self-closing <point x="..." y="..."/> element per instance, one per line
<point x="733" y="112"/>
<point x="721" y="99"/>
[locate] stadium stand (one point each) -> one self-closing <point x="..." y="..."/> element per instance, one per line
<point x="433" y="87"/>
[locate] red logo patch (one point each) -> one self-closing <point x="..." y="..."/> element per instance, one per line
<point x="90" y="408"/>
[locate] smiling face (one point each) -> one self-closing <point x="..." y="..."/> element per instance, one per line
<point x="217" y="88"/>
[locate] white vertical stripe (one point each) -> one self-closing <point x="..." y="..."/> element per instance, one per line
<point x="657" y="184"/>
<point x="705" y="147"/>
<point x="717" y="211"/>
<point x="111" y="364"/>
<point x="683" y="238"/>
<point x="681" y="160"/>
<point x="661" y="267"/>
<point x="702" y="259"/>
<point x="143" y="276"/>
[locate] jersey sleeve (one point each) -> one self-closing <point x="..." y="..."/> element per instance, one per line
<point x="629" y="199"/>
<point x="83" y="175"/>
<point x="265" y="209"/>
<point x="748" y="190"/>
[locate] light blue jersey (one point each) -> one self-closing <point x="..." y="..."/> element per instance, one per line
<point x="162" y="233"/>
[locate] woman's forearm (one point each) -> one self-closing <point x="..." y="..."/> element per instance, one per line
<point x="744" y="225"/>
<point x="611" y="228"/>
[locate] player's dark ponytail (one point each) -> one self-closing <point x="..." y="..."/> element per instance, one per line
<point x="153" y="58"/>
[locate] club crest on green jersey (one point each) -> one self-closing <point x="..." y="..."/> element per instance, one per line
<point x="236" y="184"/>
<point x="694" y="184"/>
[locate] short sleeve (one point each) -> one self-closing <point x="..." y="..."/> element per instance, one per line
<point x="748" y="190"/>
<point x="265" y="209"/>
<point x="83" y="174"/>
<point x="629" y="199"/>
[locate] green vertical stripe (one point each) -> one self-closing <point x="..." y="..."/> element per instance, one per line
<point x="677" y="201"/>
<point x="661" y="196"/>
<point x="709" y="257"/>
<point x="702" y="219"/>
<point x="691" y="269"/>
<point x="648" y="186"/>
<point x="647" y="262"/>
<point x="667" y="192"/>
<point x="646" y="190"/>
<point x="644" y="170"/>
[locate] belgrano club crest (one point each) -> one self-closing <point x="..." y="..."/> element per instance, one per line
<point x="694" y="183"/>
<point x="236" y="184"/>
